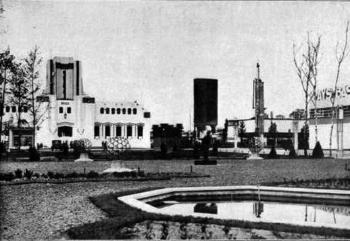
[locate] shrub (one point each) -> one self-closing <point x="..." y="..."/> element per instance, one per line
<point x="163" y="149"/>
<point x="50" y="175"/>
<point x="28" y="174"/>
<point x="9" y="176"/>
<point x="44" y="175"/>
<point x="292" y="153"/>
<point x="92" y="174"/>
<point x="36" y="175"/>
<point x="34" y="155"/>
<point x="141" y="173"/>
<point x="317" y="151"/>
<point x="65" y="148"/>
<point x="175" y="148"/>
<point x="196" y="150"/>
<point x="215" y="148"/>
<point x="58" y="175"/>
<point x="273" y="153"/>
<point x="2" y="147"/>
<point x="18" y="173"/>
<point x="72" y="175"/>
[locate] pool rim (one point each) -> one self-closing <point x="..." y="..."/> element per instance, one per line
<point x="138" y="200"/>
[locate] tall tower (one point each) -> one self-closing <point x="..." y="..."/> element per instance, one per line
<point x="205" y="103"/>
<point x="64" y="78"/>
<point x="258" y="103"/>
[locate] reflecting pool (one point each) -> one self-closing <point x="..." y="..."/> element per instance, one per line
<point x="293" y="213"/>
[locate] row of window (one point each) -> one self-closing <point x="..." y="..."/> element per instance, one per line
<point x="118" y="132"/>
<point x="14" y="109"/>
<point x="327" y="112"/>
<point x="69" y="110"/>
<point x="118" y="111"/>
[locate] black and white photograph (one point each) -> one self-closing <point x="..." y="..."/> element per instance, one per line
<point x="174" y="120"/>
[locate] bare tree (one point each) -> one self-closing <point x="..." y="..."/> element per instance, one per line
<point x="315" y="62"/>
<point x="340" y="53"/>
<point x="306" y="64"/>
<point x="36" y="109"/>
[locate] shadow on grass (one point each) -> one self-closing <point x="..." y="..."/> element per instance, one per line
<point x="121" y="215"/>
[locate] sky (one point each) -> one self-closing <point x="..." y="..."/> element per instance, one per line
<point x="151" y="51"/>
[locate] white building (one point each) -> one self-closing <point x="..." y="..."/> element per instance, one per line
<point x="71" y="114"/>
<point x="341" y="127"/>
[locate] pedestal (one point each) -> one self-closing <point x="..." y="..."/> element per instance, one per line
<point x="254" y="156"/>
<point x="84" y="157"/>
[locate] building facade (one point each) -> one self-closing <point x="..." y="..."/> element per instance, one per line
<point x="71" y="114"/>
<point x="286" y="129"/>
<point x="323" y="112"/>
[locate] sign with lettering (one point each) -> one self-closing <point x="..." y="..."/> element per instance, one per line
<point x="342" y="96"/>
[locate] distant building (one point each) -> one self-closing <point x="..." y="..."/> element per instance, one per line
<point x="171" y="135"/>
<point x="280" y="117"/>
<point x="72" y="114"/>
<point x="287" y="130"/>
<point x="297" y="114"/>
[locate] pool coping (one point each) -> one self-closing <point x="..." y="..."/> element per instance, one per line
<point x="138" y="200"/>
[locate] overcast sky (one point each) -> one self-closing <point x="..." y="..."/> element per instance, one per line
<point x="151" y="51"/>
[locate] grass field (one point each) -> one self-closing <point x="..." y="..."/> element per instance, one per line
<point x="40" y="211"/>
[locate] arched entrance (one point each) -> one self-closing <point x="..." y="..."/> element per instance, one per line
<point x="65" y="131"/>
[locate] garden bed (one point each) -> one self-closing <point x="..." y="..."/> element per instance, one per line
<point x="28" y="177"/>
<point x="329" y="183"/>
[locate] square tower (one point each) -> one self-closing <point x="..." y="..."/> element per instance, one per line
<point x="64" y="78"/>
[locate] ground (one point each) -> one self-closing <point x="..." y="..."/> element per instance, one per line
<point x="41" y="211"/>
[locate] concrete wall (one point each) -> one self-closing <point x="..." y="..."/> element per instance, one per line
<point x="324" y="127"/>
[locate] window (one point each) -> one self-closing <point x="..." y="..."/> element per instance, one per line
<point x="129" y="131"/>
<point x="25" y="109"/>
<point x="7" y="108"/>
<point x="97" y="131"/>
<point x="118" y="111"/>
<point x="134" y="111"/>
<point x="69" y="110"/>
<point x="139" y="131"/>
<point x="119" y="131"/>
<point x="13" y="108"/>
<point x="107" y="110"/>
<point x="108" y="131"/>
<point x="124" y="111"/>
<point x="102" y="110"/>
<point x="113" y="111"/>
<point x="61" y="109"/>
<point x="129" y="111"/>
